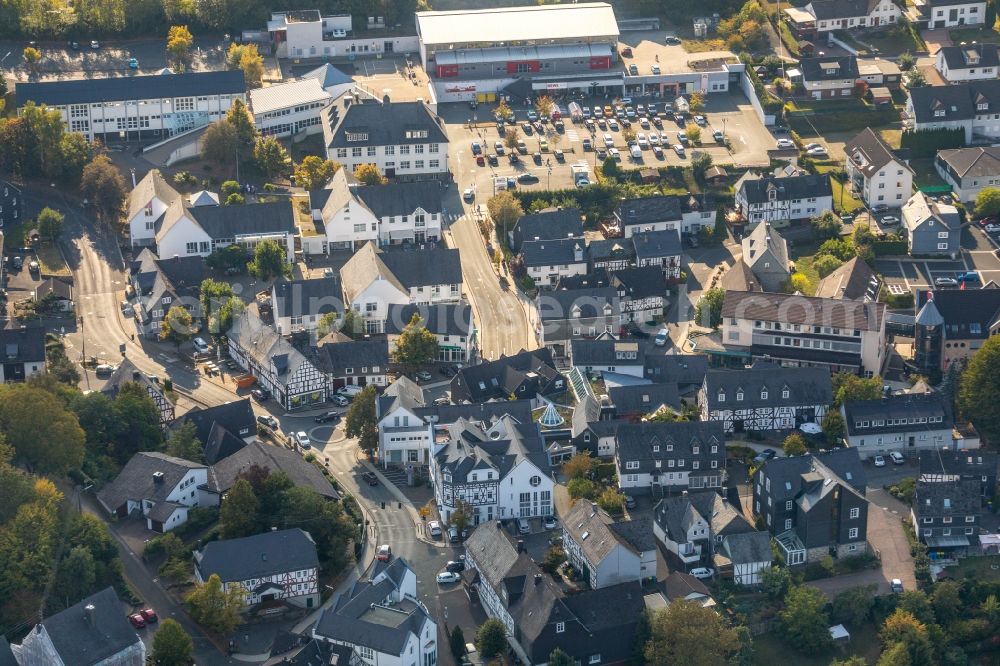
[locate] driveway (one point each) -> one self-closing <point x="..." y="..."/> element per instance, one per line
<point x="935" y="39"/>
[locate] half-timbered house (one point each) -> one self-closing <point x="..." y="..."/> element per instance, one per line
<point x="652" y="458"/>
<point x="269" y="567"/>
<point x="765" y="397"/>
<point x="127" y="372"/>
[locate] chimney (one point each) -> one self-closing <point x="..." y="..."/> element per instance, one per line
<point x="385" y="99"/>
<point x="88" y="614"/>
<point x="499" y="524"/>
<point x="157" y="477"/>
<point x="593" y="508"/>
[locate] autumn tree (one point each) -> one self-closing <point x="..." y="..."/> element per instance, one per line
<point x="513" y="135"/>
<point x="693" y="134"/>
<point x="177" y="326"/>
<point x="415" y="345"/>
<point x="696" y="102"/>
<point x="688" y="633"/>
<point x="360" y="422"/>
<point x="50" y="223"/>
<point x="247" y="58"/>
<point x="368" y="174"/>
<point x="462" y="516"/>
<point x="45" y="436"/>
<point x="103" y="185"/>
<point x="794" y="445"/>
<point x="848" y="386"/>
<point x="903" y="628"/>
<point x="544" y="106"/>
<point x="804" y="622"/>
<point x="269" y="261"/>
<point x="505" y="210"/>
<point x="215" y="608"/>
<point x="313" y="172"/>
<point x="578" y="466"/>
<point x="219" y="142"/>
<point x="270" y="156"/>
<point x="179" y="44"/>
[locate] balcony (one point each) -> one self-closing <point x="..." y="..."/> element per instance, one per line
<point x="689" y="553"/>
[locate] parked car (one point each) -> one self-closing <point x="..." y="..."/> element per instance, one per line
<point x="968" y="276"/>
<point x="498" y="148"/>
<point x="587" y="145"/>
<point x="349" y="391"/>
<point x="370" y="478"/>
<point x="327" y="417"/>
<point x="879" y="461"/>
<point x="523" y="526"/>
<point x="104" y="370"/>
<point x="149" y="615"/>
<point x="469" y="194"/>
<point x="896" y="586"/>
<point x="339" y="400"/>
<point x="719" y="136"/>
<point x="889" y="220"/>
<point x="137" y="621"/>
<point x="94" y="44"/>
<point x="880" y="208"/>
<point x="33" y="266"/>
<point x="447" y="578"/>
<point x="200" y="345"/>
<point x="422" y="375"/>
<point x="434" y="528"/>
<point x="260" y="394"/>
<point x="662" y="336"/>
<point x="453" y="536"/>
<point x="765" y="455"/>
<point x="269" y="421"/>
<point x="896" y="457"/>
<point x="630" y="502"/>
<point x="527" y="178"/>
<point x="302" y="439"/>
<point x="456" y="566"/>
<point x="549" y="522"/>
<point x="384" y="553"/>
<point x="702" y="572"/>
<point x="945" y="282"/>
<point x="671" y="40"/>
<point x="785" y="143"/>
<point x="701" y="121"/>
<point x="477" y="148"/>
<point x="992" y="228"/>
<point x="658" y="152"/>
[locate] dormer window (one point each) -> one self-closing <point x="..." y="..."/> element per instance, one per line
<point x="739" y="396"/>
<point x="784" y="394"/>
<point x="939" y="113"/>
<point x="982" y="106"/>
<point x="356" y="136"/>
<point x="416" y="134"/>
<point x="722" y="396"/>
<point x="763" y="394"/>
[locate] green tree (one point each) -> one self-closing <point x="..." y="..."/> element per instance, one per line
<point x="176" y="326"/>
<point x="554" y="558"/>
<point x="138" y="423"/>
<point x="269" y="261"/>
<point x="826" y="264"/>
<point x="804" y="623"/>
<point x="60" y="367"/>
<point x="32" y="56"/>
<point x="700" y="163"/>
<point x="578" y="466"/>
<point x="184" y="443"/>
<point x="854" y="605"/>
<point x="327" y="324"/>
<point x="988" y="201"/>
<point x="902" y="627"/>
<point x="45" y="436"/>
<point x="415" y="344"/>
<point x="853" y="660"/>
<point x="609" y="168"/>
<point x="687" y="633"/>
<point x="353" y="325"/>
<point x="848" y="386"/>
<point x="708" y="310"/>
<point x="359" y="422"/>
<point x="696" y="102"/>
<point x="461" y="517"/>
<point x="215" y="608"/>
<point x="950" y="384"/>
<point x="102" y="184"/>
<point x="834" y="428"/>
<point x="172" y="646"/>
<point x="219" y="304"/>
<point x="50" y="223"/>
<point x="559" y="658"/>
<point x="991" y="607"/>
<point x="368" y="174"/>
<point x="270" y="156"/>
<point x="179" y="43"/>
<point x="229" y="257"/>
<point x="612" y="501"/>
<point x="581" y="488"/>
<point x="491" y="639"/>
<point x="979" y="390"/>
<point x="45" y="131"/>
<point x="229" y="188"/>
<point x="234" y="199"/>
<point x="239" y="117"/>
<point x="238" y="514"/>
<point x="314" y="173"/>
<point x="456" y="642"/>
<point x="544" y="106"/>
<point x="826" y="225"/>
<point x="251" y="62"/>
<point x="906" y="61"/>
<point x="505" y="210"/>
<point x="76" y="153"/>
<point x="947" y="601"/>
<point x="777" y="581"/>
<point x="326" y="522"/>
<point x="693" y="134"/>
<point x="894" y="654"/>
<point x="77" y="575"/>
<point x="219" y="142"/>
<point x="916" y="79"/>
<point x="794" y="445"/>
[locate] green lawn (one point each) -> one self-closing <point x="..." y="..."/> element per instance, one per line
<point x="924" y="173"/>
<point x="769" y="649"/>
<point x="843" y="198"/>
<point x="978" y="567"/>
<point x="973" y="35"/>
<point x="50" y="260"/>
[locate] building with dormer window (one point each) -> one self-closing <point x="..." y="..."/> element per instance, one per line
<point x="825" y="16"/>
<point x="654" y="458"/>
<point x="571" y="314"/>
<point x="931" y="227"/>
<point x="828" y="77"/>
<point x="782" y="201"/>
<point x="903" y="423"/>
<point x="968" y="62"/>
<point x="876" y="174"/>
<point x="972" y="106"/>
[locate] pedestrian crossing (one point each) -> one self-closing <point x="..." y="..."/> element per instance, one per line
<point x="573" y="135"/>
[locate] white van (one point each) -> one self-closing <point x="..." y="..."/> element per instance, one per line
<point x="661" y="338"/>
<point x="635" y="152"/>
<point x="522" y="526"/>
<point x="350" y="390"/>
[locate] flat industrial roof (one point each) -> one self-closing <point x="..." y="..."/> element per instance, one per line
<point x="122" y="88"/>
<point x="284" y="95"/>
<point x="505" y="54"/>
<point x="511" y="24"/>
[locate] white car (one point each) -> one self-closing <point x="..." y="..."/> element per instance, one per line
<point x="642" y="141"/>
<point x="945" y="282"/>
<point x="656" y="69"/>
<point x="468" y="194"/>
<point x="818" y="151"/>
<point x="613" y="124"/>
<point x="702" y="572"/>
<point x="889" y="220"/>
<point x="785" y="143"/>
<point x="302" y="439"/>
<point x="608" y="140"/>
<point x="654" y="139"/>
<point x="613" y="152"/>
<point x="897" y="457"/>
<point x="435" y="528"/>
<point x="447" y="578"/>
<point x="810" y="146"/>
<point x="200" y="345"/>
<point x="992" y="228"/>
<point x="879" y="461"/>
<point x="549" y="523"/>
<point x="679" y="149"/>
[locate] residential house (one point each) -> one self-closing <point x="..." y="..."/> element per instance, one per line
<point x="825" y="16"/>
<point x="633" y="403"/>
<point x="593" y="427"/>
<point x="298" y="305"/>
<point x="398" y="572"/>
<point x="404" y="140"/>
<point x="373" y="279"/>
<point x="652" y="213"/>
<point x="969" y="170"/>
<point x="147" y="204"/>
<point x="641" y="291"/>
<point x="125" y="373"/>
<point x="685" y="370"/>
<point x="802" y="330"/>
<point x="547" y="261"/>
<point x="954" y="13"/>
<point x="525" y="375"/>
<point x="267" y="568"/>
<point x="699" y="528"/>
<point x="876" y="174"/>
<point x="138" y="108"/>
<point x="765" y="253"/>
<point x="739" y="278"/>
<point x="946" y="466"/>
<point x="660" y="457"/>
<point x="854" y="280"/>
<point x="570" y="314"/>
<point x="347" y="362"/>
<point x="902" y="423"/>
<point x="259" y="349"/>
<point x="659" y="248"/>
<point x="931" y="227"/>
<point x="593" y="627"/>
<point x="298" y="650"/>
<point x="606" y="551"/>
<point x="611" y="254"/>
<point x="967" y="62"/>
<point x="224" y="473"/>
<point x="765" y="397"/>
<point x="596" y="357"/>
<point x="946" y="514"/>
<point x="451" y="324"/>
<point x="383" y="622"/>
<point x="829" y="77"/>
<point x="59" y="293"/>
<point x="953" y="324"/>
<point x="880" y="72"/>
<point x="684" y="586"/>
<point x="499" y="468"/>
<point x="11" y="203"/>
<point x="814" y="505"/>
<point x="546" y="224"/>
<point x="222" y="429"/>
<point x="596" y="279"/>
<point x="971" y="106"/>
<point x="290" y="108"/>
<point x="91" y="632"/>
<point x="23" y="353"/>
<point x="160" y="488"/>
<point x="389" y="214"/>
<point x="159" y="284"/>
<point x="782" y="200"/>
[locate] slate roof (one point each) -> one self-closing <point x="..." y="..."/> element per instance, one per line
<point x="327" y="75"/>
<point x="223" y="474"/>
<point x="82" y="643"/>
<point x="439" y="318"/>
<point x="23" y="345"/>
<point x="685" y="370"/>
<point x="403" y="268"/>
<point x="764" y="242"/>
<point x="487" y="412"/>
<point x="740" y="278"/>
<point x="679" y="585"/>
<point x="606" y="352"/>
<point x="127" y="372"/>
<point x="644" y="398"/>
<point x="963" y="310"/>
<point x="384" y="124"/>
<point x="395" y="570"/>
<point x="404" y="392"/>
<point x="355" y="354"/>
<point x="978" y="161"/>
<point x="638" y="534"/>
<point x="498" y="379"/>
<point x="657" y="244"/>
<point x="964" y="496"/>
<point x="748" y="547"/>
<point x="362" y="617"/>
<point x="315" y="296"/>
<point x="959" y="463"/>
<point x="610" y="249"/>
<point x="854" y="280"/>
<point x="264" y="345"/>
<point x="825" y="10"/>
<point x="58" y="288"/>
<point x="806" y="386"/>
<point x="813" y="69"/>
<point x="597" y="278"/>
<point x="644" y="210"/>
<point x="470" y="446"/>
<point x="807" y="310"/>
<point x="6" y="656"/>
<point x="785" y="473"/>
<point x="153" y="185"/>
<point x="957" y="100"/>
<point x="549" y="224"/>
<point x="591" y="528"/>
<point x="123" y="88"/>
<point x="590" y="303"/>
<point x="891" y="408"/>
<point x="232" y="221"/>
<point x="136" y="482"/>
<point x="756" y="190"/>
<point x="156" y="278"/>
<point x="676" y="513"/>
<point x="396" y="199"/>
<point x="641" y="282"/>
<point x="564" y="251"/>
<point x="635" y="442"/>
<point x="257" y="556"/>
<point x="869" y="152"/>
<point x="233" y="416"/>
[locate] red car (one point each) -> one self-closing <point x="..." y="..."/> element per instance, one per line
<point x="149" y="615"/>
<point x="137" y="621"/>
<point x="480" y="160"/>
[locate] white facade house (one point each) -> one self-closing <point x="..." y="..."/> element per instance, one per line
<point x="405" y="140"/>
<point x="969" y="170"/>
<point x="405" y="436"/>
<point x="292" y="108"/>
<point x="605" y="551"/>
<point x="876" y="174"/>
<point x="968" y="62"/>
<point x="298" y="305"/>
<point x="824" y="16"/>
<point x="954" y="13"/>
<point x="903" y="423"/>
<point x="451" y="323"/>
<point x="308" y="34"/>
<point x="147" y="203"/>
<point x="780" y="201"/>
<point x="548" y="261"/>
<point x="276" y="566"/>
<point x="972" y="106"/>
<point x="128" y="108"/>
<point x="23" y="353"/>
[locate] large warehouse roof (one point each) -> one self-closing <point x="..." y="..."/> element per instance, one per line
<point x="285" y="95"/>
<point x="511" y="24"/>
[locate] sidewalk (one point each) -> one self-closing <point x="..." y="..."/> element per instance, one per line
<point x="418" y="524"/>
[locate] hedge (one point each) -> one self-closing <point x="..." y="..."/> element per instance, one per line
<point x="927" y="143"/>
<point x="885" y="248"/>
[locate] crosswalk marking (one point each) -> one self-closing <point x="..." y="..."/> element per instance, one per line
<point x="573" y="135"/>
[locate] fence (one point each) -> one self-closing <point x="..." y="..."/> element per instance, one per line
<point x="748" y="89"/>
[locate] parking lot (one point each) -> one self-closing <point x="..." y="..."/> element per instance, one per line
<point x="905" y="274"/>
